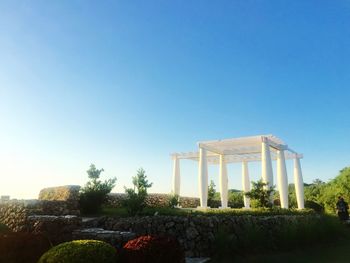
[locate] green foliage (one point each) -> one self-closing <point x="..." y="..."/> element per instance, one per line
<point x="325" y="194"/>
<point x="136" y="197"/>
<point x="224" y="244"/>
<point x="260" y="194"/>
<point x="94" y="193"/>
<point x="284" y="235"/>
<point x="134" y="202"/>
<point x="235" y="199"/>
<point x="80" y="251"/>
<point x="339" y="186"/>
<point x="313" y="192"/>
<point x="166" y="211"/>
<point x="211" y="194"/>
<point x="174" y="200"/>
<point x="292" y="202"/>
<point x="314" y="205"/>
<point x="140" y="181"/>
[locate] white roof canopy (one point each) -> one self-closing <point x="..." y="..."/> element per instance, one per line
<point x="239" y="149"/>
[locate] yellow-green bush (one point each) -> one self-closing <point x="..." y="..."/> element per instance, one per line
<point x="80" y="251"/>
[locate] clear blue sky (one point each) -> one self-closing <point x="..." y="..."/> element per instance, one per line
<point x="124" y="83"/>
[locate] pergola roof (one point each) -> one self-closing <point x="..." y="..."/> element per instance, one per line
<point x="239" y="149"/>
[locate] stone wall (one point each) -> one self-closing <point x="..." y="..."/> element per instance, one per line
<point x="57" y="229"/>
<point x="67" y="193"/>
<point x="196" y="233"/>
<point x="15" y="213"/>
<point x="162" y="200"/>
<point x="153" y="200"/>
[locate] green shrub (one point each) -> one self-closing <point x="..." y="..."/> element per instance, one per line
<point x="174" y="200"/>
<point x="212" y="201"/>
<point x="224" y="244"/>
<point x="135" y="200"/>
<point x="277" y="234"/>
<point x="314" y="205"/>
<point x="235" y="199"/>
<point x="94" y="193"/>
<point x="260" y="194"/>
<point x="22" y="247"/>
<point x="81" y="251"/>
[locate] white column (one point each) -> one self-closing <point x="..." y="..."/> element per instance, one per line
<point x="176" y="176"/>
<point x="223" y="182"/>
<point x="299" y="184"/>
<point x="266" y="164"/>
<point x="203" y="178"/>
<point x="245" y="183"/>
<point x="282" y="178"/>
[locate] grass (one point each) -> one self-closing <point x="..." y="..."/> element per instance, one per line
<point x="323" y="240"/>
<point x="121" y="212"/>
<point x="337" y="251"/>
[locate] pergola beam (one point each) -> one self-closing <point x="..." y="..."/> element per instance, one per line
<point x="237" y="158"/>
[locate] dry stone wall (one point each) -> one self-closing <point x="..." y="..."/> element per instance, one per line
<point x="67" y="193"/>
<point x="56" y="228"/>
<point x="153" y="200"/>
<point x="196" y="233"/>
<point x="15" y="213"/>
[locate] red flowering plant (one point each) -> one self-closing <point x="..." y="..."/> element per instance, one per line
<point x="153" y="249"/>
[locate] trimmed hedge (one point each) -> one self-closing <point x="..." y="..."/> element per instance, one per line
<point x="81" y="251"/>
<point x="153" y="249"/>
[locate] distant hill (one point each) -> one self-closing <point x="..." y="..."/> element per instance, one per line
<point x="234" y="191"/>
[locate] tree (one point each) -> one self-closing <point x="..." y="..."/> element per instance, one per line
<point x="136" y="196"/>
<point x="314" y="191"/>
<point x="95" y="192"/>
<point x="235" y="199"/>
<point x="339" y="186"/>
<point x="261" y="194"/>
<point x="140" y="181"/>
<point x="211" y="194"/>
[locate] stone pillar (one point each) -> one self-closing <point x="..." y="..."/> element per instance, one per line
<point x="176" y="176"/>
<point x="245" y="183"/>
<point x="266" y="164"/>
<point x="299" y="184"/>
<point x="203" y="177"/>
<point x="223" y="182"/>
<point x="282" y="179"/>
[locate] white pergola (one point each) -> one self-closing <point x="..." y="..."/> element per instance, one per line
<point x="264" y="148"/>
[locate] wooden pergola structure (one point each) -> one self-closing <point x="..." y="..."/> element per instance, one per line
<point x="261" y="148"/>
